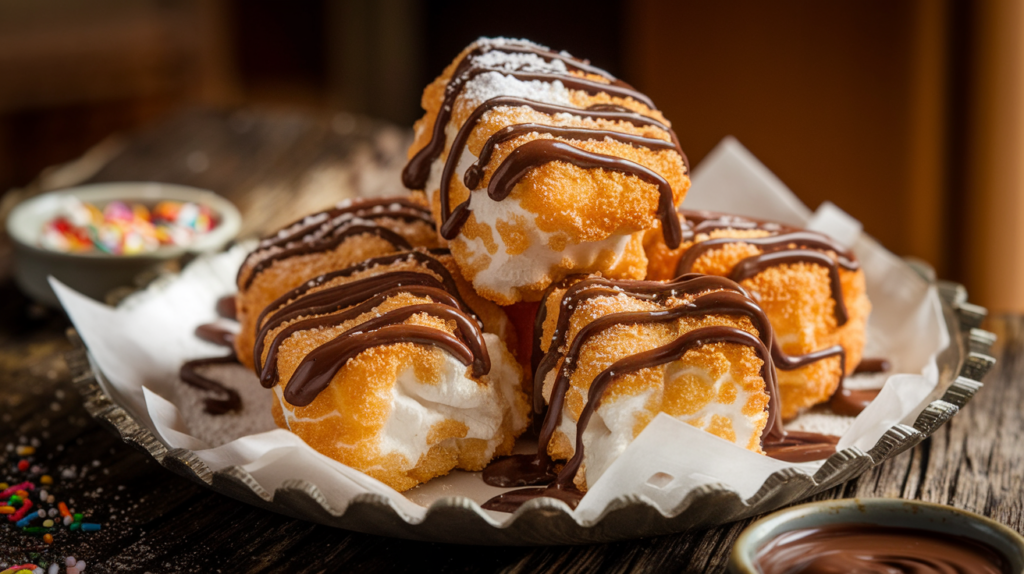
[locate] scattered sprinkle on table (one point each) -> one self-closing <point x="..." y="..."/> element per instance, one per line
<point x="31" y="502"/>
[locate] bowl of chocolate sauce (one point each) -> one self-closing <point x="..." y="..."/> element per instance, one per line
<point x="881" y="535"/>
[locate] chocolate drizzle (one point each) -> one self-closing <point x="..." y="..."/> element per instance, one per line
<point x="326" y="230"/>
<point x="417" y="171"/>
<point x="367" y="209"/>
<point x="562" y="486"/>
<point x="453" y="220"/>
<point x="317" y="369"/>
<point x="418" y="257"/>
<point x="476" y="172"/>
<point x="713" y="295"/>
<point x="333" y="306"/>
<point x="327" y="243"/>
<point x="536" y="152"/>
<point x="733" y="300"/>
<point x="786" y="246"/>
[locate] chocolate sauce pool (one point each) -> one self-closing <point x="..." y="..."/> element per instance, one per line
<point x="851" y="402"/>
<point x="870" y="548"/>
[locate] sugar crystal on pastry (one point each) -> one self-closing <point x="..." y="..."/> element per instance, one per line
<point x="612" y="354"/>
<point x="333" y="239"/>
<point x="719" y="386"/>
<point x="812" y="290"/>
<point x="386" y="368"/>
<point x="538" y="165"/>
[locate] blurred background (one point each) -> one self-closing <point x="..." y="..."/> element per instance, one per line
<point x="908" y="114"/>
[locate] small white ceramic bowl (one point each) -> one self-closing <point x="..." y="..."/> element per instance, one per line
<point x="882" y="511"/>
<point x="96" y="274"/>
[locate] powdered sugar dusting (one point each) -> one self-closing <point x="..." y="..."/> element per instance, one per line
<point x="216" y="430"/>
<point x="519" y="62"/>
<point x="493" y="84"/>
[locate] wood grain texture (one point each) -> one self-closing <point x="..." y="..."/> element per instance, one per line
<point x="156" y="521"/>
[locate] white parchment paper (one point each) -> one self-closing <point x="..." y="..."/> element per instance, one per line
<point x="140" y="345"/>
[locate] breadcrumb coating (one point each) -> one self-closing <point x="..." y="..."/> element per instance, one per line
<point x="798" y="301"/>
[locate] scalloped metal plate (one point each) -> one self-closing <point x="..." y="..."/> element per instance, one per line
<point x="546" y="521"/>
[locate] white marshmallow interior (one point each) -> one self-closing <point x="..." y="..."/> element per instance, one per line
<point x="416" y="406"/>
<point x="507" y="272"/>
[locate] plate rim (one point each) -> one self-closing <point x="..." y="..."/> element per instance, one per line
<point x="546" y="521"/>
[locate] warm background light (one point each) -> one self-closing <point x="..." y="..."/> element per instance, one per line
<point x="906" y="114"/>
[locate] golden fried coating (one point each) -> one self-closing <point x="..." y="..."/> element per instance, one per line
<point x="797" y="297"/>
<point x="559" y="219"/>
<point x="285" y="274"/>
<point x="716" y="387"/>
<point x="402" y="412"/>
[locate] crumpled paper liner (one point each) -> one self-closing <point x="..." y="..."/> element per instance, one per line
<point x="140" y="346"/>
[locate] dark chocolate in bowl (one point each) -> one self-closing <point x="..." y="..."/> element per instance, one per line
<point x="876" y="535"/>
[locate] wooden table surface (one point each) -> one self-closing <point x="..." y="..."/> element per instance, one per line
<point x="274" y="166"/>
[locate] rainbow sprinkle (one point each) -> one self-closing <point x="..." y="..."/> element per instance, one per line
<point x="36" y="512"/>
<point x="120" y="229"/>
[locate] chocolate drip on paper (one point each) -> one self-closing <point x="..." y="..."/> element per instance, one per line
<point x="872" y="365"/>
<point x="800" y="446"/>
<point x="227" y="308"/>
<point x="213" y="333"/>
<point x="851" y="402"/>
<point x="189" y="373"/>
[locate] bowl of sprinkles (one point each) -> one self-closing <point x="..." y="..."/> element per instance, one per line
<point x="876" y="535"/>
<point x="98" y="237"/>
